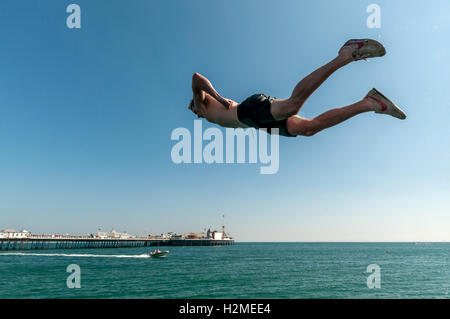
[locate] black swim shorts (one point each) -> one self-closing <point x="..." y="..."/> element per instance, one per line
<point x="255" y="112"/>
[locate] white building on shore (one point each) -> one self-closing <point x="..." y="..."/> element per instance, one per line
<point x="113" y="234"/>
<point x="216" y="235"/>
<point x="11" y="233"/>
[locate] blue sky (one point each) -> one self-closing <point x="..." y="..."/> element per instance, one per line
<point x="86" y="117"/>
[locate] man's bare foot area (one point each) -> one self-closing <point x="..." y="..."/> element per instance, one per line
<point x="371" y="104"/>
<point x="345" y="54"/>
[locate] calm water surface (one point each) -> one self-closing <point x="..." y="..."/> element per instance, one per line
<point x="245" y="270"/>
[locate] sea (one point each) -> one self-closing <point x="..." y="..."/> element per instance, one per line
<point x="244" y="270"/>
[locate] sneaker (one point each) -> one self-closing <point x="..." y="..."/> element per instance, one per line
<point x="386" y="105"/>
<point x="365" y="48"/>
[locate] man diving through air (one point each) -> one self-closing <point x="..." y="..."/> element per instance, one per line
<point x="260" y="111"/>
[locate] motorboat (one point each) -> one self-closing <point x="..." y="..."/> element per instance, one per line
<point x="159" y="253"/>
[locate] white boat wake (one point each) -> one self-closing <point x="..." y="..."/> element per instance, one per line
<point x="76" y="255"/>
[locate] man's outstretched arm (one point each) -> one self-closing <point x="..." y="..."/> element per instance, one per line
<point x="200" y="83"/>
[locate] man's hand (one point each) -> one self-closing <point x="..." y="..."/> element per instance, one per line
<point x="195" y="109"/>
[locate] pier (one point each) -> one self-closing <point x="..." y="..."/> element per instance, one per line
<point x="86" y="243"/>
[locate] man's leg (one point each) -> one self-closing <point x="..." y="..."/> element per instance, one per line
<point x="284" y="108"/>
<point x="297" y="125"/>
